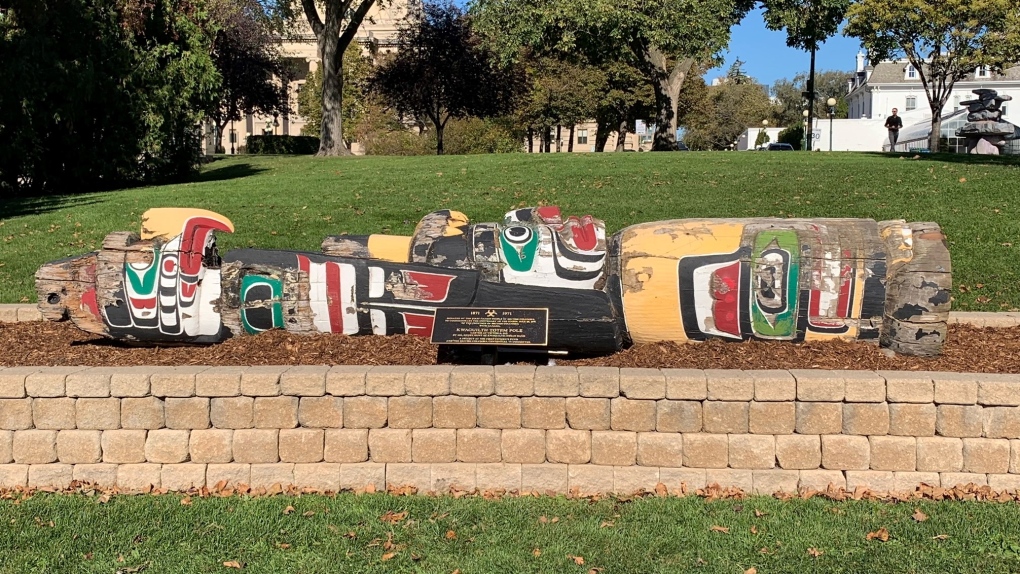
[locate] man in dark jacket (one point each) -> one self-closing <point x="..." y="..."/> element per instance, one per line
<point x="893" y="123"/>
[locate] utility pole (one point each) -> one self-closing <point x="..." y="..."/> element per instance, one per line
<point x="811" y="97"/>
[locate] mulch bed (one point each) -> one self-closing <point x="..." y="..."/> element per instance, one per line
<point x="969" y="349"/>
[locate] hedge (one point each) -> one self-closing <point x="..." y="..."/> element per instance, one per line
<point x="278" y="145"/>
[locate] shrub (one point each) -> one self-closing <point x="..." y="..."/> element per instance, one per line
<point x="793" y="136"/>
<point x="282" y="145"/>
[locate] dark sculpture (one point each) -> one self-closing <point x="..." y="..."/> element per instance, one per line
<point x="985" y="131"/>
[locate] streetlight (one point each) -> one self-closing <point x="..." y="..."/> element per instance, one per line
<point x="233" y="137"/>
<point x="831" y="102"/>
<point x="764" y="126"/>
<point x="807" y="141"/>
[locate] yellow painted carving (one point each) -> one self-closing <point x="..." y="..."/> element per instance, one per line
<point x="454" y="224"/>
<point x="395" y="248"/>
<point x="166" y="222"/>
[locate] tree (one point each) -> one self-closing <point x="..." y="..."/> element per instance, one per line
<point x="245" y="53"/>
<point x="627" y="97"/>
<point x="945" y="40"/>
<point x="729" y="109"/>
<point x="789" y="99"/>
<point x="559" y="93"/>
<point x="736" y="73"/>
<point x="357" y="69"/>
<point x="440" y="71"/>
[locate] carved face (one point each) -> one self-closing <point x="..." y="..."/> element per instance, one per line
<point x="537" y="246"/>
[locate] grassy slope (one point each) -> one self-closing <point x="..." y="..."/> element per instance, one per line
<point x="643" y="536"/>
<point x="293" y="202"/>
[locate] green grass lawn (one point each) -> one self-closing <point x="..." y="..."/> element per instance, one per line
<point x="473" y="535"/>
<point x="293" y="202"/>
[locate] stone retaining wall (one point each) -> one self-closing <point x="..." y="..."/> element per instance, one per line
<point x="597" y="429"/>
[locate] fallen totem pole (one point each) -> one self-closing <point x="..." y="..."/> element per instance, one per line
<point x="680" y="280"/>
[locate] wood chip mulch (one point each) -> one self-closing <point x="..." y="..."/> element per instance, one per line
<point x="969" y="349"/>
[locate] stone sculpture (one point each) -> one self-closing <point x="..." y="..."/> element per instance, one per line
<point x="985" y="131"/>
<point x="679" y="280"/>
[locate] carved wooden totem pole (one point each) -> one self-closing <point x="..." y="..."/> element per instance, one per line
<point x="679" y="280"/>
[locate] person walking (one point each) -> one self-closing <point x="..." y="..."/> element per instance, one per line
<point x="893" y="123"/>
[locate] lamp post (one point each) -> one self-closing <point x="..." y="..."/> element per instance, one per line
<point x="807" y="140"/>
<point x="764" y="126"/>
<point x="831" y="102"/>
<point x="233" y="136"/>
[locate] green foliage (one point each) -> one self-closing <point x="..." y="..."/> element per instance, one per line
<point x="357" y="68"/>
<point x="762" y="139"/>
<point x="793" y="135"/>
<point x="561" y="93"/>
<point x="790" y="101"/>
<point x="462" y="136"/>
<point x="808" y="23"/>
<point x="277" y="145"/>
<point x="728" y="110"/>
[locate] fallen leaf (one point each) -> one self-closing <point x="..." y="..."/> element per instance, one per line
<point x="370" y="489"/>
<point x="754" y="529"/>
<point x="963" y="180"/>
<point x="393" y="517"/>
<point x="555" y="519"/>
<point x="759" y="513"/>
<point x="607" y="524"/>
<point x="232" y="564"/>
<point x="918" y="515"/>
<point x="881" y="535"/>
<point x="577" y="559"/>
<point x="940" y="537"/>
<point x="536" y="553"/>
<point x="283" y="546"/>
<point x="388" y="556"/>
<point x="288" y="510"/>
<point x="751" y="570"/>
<point x="308" y="514"/>
<point x="814" y="552"/>
<point x="186" y="501"/>
<point x="352" y="534"/>
<point x="451" y="535"/>
<point x="542" y="519"/>
<point x="723" y="529"/>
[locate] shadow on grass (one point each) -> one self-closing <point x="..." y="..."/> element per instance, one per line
<point x="963" y="158"/>
<point x="235" y="171"/>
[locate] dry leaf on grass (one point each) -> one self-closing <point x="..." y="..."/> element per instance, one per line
<point x="186" y="501"/>
<point x="882" y="535"/>
<point x="754" y="529"/>
<point x="918" y="515"/>
<point x="308" y="514"/>
<point x="288" y="510"/>
<point x="723" y="529"/>
<point x="388" y="556"/>
<point x="940" y="537"/>
<point x="577" y="559"/>
<point x="451" y="535"/>
<point x="393" y="517"/>
<point x="536" y="553"/>
<point x="751" y="570"/>
<point x="607" y="524"/>
<point x="759" y="513"/>
<point x="814" y="552"/>
<point x="232" y="564"/>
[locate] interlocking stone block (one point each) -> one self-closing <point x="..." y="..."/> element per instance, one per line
<point x="845" y="452"/>
<point x="174" y="381"/>
<point x="434" y="445"/>
<point x="769" y="482"/>
<point x="12" y="381"/>
<point x="301" y="445"/>
<point x="166" y="446"/>
<point x="231" y="474"/>
<point x="479" y="445"/>
<point x="683" y="480"/>
<point x="955" y="388"/>
<point x="346" y="445"/>
<point x="752" y="451"/>
<point x="985" y="455"/>
<point x="632" y="415"/>
<point x="13" y="475"/>
<point x="192" y="413"/>
<point x="93" y="382"/>
<point x="472" y="381"/>
<point x="908" y="386"/>
<point x="267" y="475"/>
<point x="912" y="419"/>
<point x="141" y="413"/>
<point x="633" y="479"/>
<point x="15" y="414"/>
<point x="232" y="412"/>
<point x="952" y="479"/>
<point x="458" y="476"/>
<point x="799" y="451"/>
<point x="51" y="475"/>
<point x="389" y="445"/>
<point x="772" y="418"/>
<point x="97" y="414"/>
<point x="866" y="418"/>
<point x="613" y="448"/>
<point x="729" y="385"/>
<point x="262" y="381"/>
<point x="499" y="412"/>
<point x="678" y="416"/>
<point x="821" y="480"/>
<point x="365" y="412"/>
<point x="1014" y="456"/>
<point x="543" y="412"/>
<point x="385" y="381"/>
<point x="514" y="380"/>
<point x="545" y="478"/>
<point x="326" y="477"/>
<point x="705" y="450"/>
<point x="76" y="447"/>
<point x="1004" y="482"/>
<point x="454" y="412"/>
<point x="276" y="412"/>
<point x="256" y="445"/>
<point x="6" y="447"/>
<point x="556" y="382"/>
<point x="879" y="481"/>
<point x="1000" y="422"/>
<point x="409" y="412"/>
<point x="304" y="381"/>
<point x="905" y="481"/>
<point x="48" y="382"/>
<point x="686" y="384"/>
<point x="588" y="413"/>
<point x="642" y="384"/>
<point x="588" y="479"/>
<point x="28" y="313"/>
<point x="893" y="453"/>
<point x="130" y="381"/>
<point x="523" y="446"/>
<point x="730" y="478"/>
<point x="182" y="477"/>
<point x="770" y="386"/>
<point x="219" y="382"/>
<point x="659" y="449"/>
<point x="211" y="446"/>
<point x="568" y="446"/>
<point x="863" y="387"/>
<point x="939" y="454"/>
<point x="725" y="416"/>
<point x="53" y="414"/>
<point x="322" y="412"/>
<point x="599" y="382"/>
<point x="400" y="475"/>
<point x="959" y="421"/>
<point x="428" y="381"/>
<point x="9" y="313"/>
<point x="346" y="381"/>
<point x="819" y="385"/>
<point x="497" y="477"/>
<point x="121" y="446"/>
<point x="993" y="390"/>
<point x="819" y="418"/>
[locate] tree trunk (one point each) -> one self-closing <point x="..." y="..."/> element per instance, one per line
<point x="440" y="126"/>
<point x="601" y="136"/>
<point x="621" y="137"/>
<point x="331" y="141"/>
<point x="531" y="140"/>
<point x="570" y="140"/>
<point x="667" y="84"/>
<point x="559" y="138"/>
<point x="936" y="130"/>
<point x="548" y="139"/>
<point x="219" y="136"/>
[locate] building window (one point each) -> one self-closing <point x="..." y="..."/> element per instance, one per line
<point x="582" y="137"/>
<point x="911" y="72"/>
<point x="911" y="103"/>
<point x="982" y="72"/>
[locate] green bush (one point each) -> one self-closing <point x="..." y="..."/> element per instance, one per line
<point x="793" y="136"/>
<point x="475" y="136"/>
<point x="282" y="145"/>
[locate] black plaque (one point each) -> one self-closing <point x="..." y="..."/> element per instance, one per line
<point x="491" y="326"/>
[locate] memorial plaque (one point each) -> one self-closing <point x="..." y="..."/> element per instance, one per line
<point x="491" y="326"/>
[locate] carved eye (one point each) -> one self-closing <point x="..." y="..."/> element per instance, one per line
<point x="518" y="234"/>
<point x="53" y="299"/>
